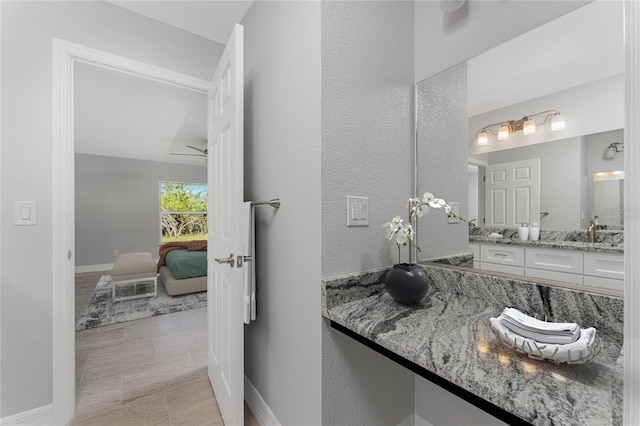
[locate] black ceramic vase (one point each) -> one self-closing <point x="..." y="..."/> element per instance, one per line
<point x="407" y="283"/>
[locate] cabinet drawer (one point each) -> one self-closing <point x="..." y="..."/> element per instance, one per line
<point x="475" y="249"/>
<point x="503" y="255"/>
<point x="554" y="260"/>
<point x="507" y="269"/>
<point x="607" y="283"/>
<point x="554" y="275"/>
<point x="605" y="265"/>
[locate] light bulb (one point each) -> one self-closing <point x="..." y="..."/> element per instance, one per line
<point x="483" y="138"/>
<point x="503" y="133"/>
<point x="529" y="127"/>
<point x="557" y="122"/>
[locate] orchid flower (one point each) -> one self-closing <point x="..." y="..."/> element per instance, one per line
<point x="404" y="233"/>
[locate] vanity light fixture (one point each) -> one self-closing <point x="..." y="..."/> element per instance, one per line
<point x="526" y="124"/>
<point x="613" y="149"/>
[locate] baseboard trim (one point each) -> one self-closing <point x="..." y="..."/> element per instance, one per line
<point x="258" y="406"/>
<point x="94" y="268"/>
<point x="41" y="416"/>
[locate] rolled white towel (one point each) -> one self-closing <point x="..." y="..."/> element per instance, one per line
<point x="561" y="339"/>
<point x="572" y="353"/>
<point x="523" y="321"/>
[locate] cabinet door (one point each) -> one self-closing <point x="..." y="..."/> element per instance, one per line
<point x="503" y="255"/>
<point x="566" y="261"/>
<point x="605" y="265"/>
<point x="607" y="283"/>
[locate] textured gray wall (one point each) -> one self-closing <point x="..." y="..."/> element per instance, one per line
<point x="26" y="169"/>
<point x="367" y="133"/>
<point x="117" y="204"/>
<point x="282" y="159"/>
<point x="367" y="139"/>
<point x="442" y="165"/>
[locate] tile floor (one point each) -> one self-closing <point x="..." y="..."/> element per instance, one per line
<point x="151" y="371"/>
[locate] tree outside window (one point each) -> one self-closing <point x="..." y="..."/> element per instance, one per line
<point x="183" y="211"/>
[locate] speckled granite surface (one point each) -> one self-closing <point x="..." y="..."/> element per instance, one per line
<point x="606" y="241"/>
<point x="449" y="335"/>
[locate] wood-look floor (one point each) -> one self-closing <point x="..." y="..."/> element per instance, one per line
<point x="151" y="371"/>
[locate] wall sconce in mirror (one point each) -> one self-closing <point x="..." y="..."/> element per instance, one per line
<point x="526" y="124"/>
<point x="613" y="149"/>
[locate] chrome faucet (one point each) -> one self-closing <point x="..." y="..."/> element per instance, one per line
<point x="591" y="230"/>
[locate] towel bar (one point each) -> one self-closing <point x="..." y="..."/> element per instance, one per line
<point x="275" y="203"/>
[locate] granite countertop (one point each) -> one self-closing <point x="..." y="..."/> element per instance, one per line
<point x="601" y="247"/>
<point x="448" y="334"/>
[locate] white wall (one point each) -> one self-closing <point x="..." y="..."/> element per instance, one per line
<point x="367" y="134"/>
<point x="596" y="146"/>
<point x="27" y="32"/>
<point x="118" y="204"/>
<point x="282" y="159"/>
<point x="562" y="172"/>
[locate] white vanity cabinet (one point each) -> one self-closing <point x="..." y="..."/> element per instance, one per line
<point x="605" y="270"/>
<point x="554" y="264"/>
<point x="593" y="269"/>
<point x="508" y="259"/>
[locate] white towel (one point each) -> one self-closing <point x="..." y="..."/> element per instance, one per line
<point x="540" y="331"/>
<point x="573" y="353"/>
<point x="249" y="281"/>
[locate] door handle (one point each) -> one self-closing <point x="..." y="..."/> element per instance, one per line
<point x="230" y="260"/>
<point x="242" y="259"/>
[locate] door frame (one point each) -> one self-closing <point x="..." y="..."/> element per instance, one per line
<point x="65" y="56"/>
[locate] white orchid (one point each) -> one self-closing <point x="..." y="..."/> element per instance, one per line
<point x="393" y="227"/>
<point x="404" y="233"/>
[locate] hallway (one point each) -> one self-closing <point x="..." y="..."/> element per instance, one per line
<point x="151" y="371"/>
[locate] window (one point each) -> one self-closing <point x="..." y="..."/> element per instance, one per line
<point x="183" y="211"/>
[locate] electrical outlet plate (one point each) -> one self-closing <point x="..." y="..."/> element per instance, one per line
<point x="455" y="208"/>
<point x="357" y="211"/>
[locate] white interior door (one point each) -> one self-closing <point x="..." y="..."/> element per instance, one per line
<point x="226" y="195"/>
<point x="512" y="193"/>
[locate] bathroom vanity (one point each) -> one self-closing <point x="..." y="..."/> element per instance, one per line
<point x="559" y="257"/>
<point x="447" y="339"/>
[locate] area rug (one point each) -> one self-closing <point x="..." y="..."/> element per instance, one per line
<point x="102" y="310"/>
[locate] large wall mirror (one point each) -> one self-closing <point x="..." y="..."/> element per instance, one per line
<point x="578" y="73"/>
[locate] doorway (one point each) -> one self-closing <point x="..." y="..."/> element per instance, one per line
<point x="66" y="56"/>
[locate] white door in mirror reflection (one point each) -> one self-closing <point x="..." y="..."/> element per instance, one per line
<point x="512" y="193"/>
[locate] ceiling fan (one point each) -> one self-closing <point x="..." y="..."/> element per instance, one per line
<point x="202" y="152"/>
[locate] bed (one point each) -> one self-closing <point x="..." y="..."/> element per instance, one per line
<point x="183" y="267"/>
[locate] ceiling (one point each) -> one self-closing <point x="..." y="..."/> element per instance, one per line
<point x="119" y="115"/>
<point x="122" y="116"/>
<point x="211" y="19"/>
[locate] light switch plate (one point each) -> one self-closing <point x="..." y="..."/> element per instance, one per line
<point x="25" y="213"/>
<point x="357" y="211"/>
<point x="455" y="208"/>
